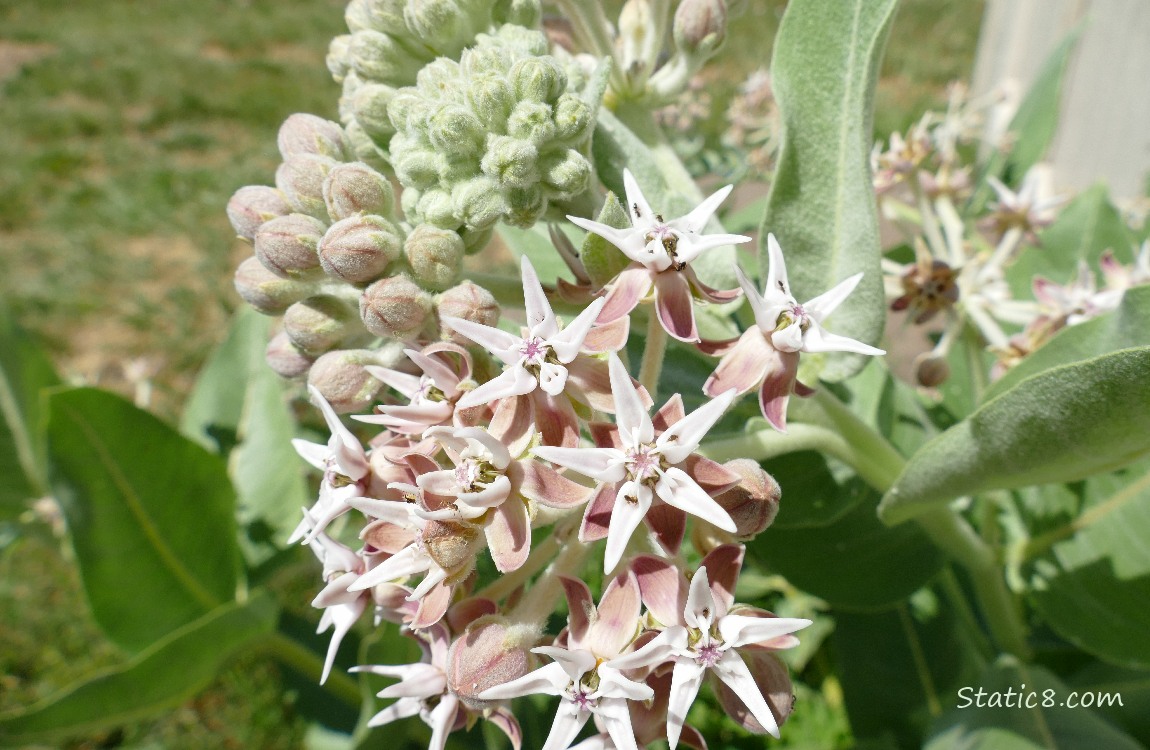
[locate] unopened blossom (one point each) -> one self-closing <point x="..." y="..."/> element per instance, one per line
<point x="588" y="673"/>
<point x="767" y="354"/>
<point x="661" y="252"/>
<point x="644" y="466"/>
<point x="432" y="395"/>
<point x="1030" y="209"/>
<point x="702" y="632"/>
<point x="345" y="468"/>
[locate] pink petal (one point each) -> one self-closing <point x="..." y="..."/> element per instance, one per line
<point x="776" y="388"/>
<point x="674" y="307"/>
<point x="610" y="337"/>
<point x="709" y="293"/>
<point x="712" y="476"/>
<point x="508" y="724"/>
<point x="743" y="367"/>
<point x="576" y="294"/>
<point x="631" y="504"/>
<point x="589" y="382"/>
<point x="605" y="435"/>
<point x="663" y="588"/>
<point x="467" y="611"/>
<point x="669" y="525"/>
<point x="546" y="486"/>
<point x="724" y="563"/>
<point x="631" y="415"/>
<point x="597" y="516"/>
<point x="617" y="618"/>
<point x="580" y="610"/>
<point x="691" y="737"/>
<point x="555" y="420"/>
<point x="513" y="423"/>
<point x="669" y="413"/>
<point x="631" y="285"/>
<point x="509" y="535"/>
<point x="717" y="348"/>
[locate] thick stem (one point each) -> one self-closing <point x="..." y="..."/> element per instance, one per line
<point x="304" y="660"/>
<point x="653" y="354"/>
<point x="538" y="602"/>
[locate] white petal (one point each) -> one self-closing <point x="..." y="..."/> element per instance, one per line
<point x="551" y="679"/>
<point x="776" y="270"/>
<point x="435" y="576"/>
<point x="514" y="381"/>
<point x="656" y="651"/>
<point x="616" y="237"/>
<point x="677" y="489"/>
<point x="824" y="304"/>
<point x="691" y="246"/>
<point x="741" y="630"/>
<point x="314" y="453"/>
<point x="686" y="679"/>
<point x="602" y="464"/>
<point x="342" y="617"/>
<point x="403" y="382"/>
<point x="500" y="343"/>
<point x="345" y="447"/>
<point x="733" y="671"/>
<point x="552" y="378"/>
<point x="630" y="415"/>
<point x="567" y="343"/>
<point x="616" y="718"/>
<point x="758" y="305"/>
<point x="408" y="561"/>
<point x="701" y="214"/>
<point x="818" y="340"/>
<point x="637" y="207"/>
<point x="575" y="662"/>
<point x="612" y="684"/>
<point x="540" y="318"/>
<point x="631" y="505"/>
<point x="568" y="721"/>
<point x="682" y="439"/>
<point x="442" y="719"/>
<point x="790" y="339"/>
<point x="418" y="681"/>
<point x="401" y="709"/>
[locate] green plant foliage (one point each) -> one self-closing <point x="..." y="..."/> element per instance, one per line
<point x="160" y="677"/>
<point x="1060" y="425"/>
<point x="603" y="260"/>
<point x="821" y="205"/>
<point x="238" y="401"/>
<point x="1012" y="728"/>
<point x="1133" y="685"/>
<point x="813" y="495"/>
<point x="1089" y="568"/>
<point x="535" y="243"/>
<point x="24" y="373"/>
<point x="151" y="516"/>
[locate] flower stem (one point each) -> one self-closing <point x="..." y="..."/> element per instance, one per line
<point x="302" y="659"/>
<point x="538" y="602"/>
<point x="653" y="354"/>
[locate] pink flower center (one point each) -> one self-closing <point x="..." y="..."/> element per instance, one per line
<point x="708" y="656"/>
<point x="535" y="350"/>
<point x="583" y="699"/>
<point x="643" y="462"/>
<point x="467" y="473"/>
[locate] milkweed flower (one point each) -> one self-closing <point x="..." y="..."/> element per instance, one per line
<point x="767" y="354"/>
<point x="661" y="252"/>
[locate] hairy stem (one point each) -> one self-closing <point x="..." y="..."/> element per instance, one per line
<point x="653" y="353"/>
<point x="538" y="602"/>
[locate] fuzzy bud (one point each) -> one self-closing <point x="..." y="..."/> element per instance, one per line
<point x="773" y="681"/>
<point x="436" y="207"/>
<point x="572" y="119"/>
<point x="454" y="130"/>
<point x="376" y="57"/>
<point x="355" y="188"/>
<point x="443" y="24"/>
<point x="286" y="245"/>
<point x="300" y="178"/>
<point x="754" y="502"/>
<point x="369" y="103"/>
<point x="479" y="202"/>
<point x="359" y="248"/>
<point x="253" y="205"/>
<point x="319" y="324"/>
<point x="531" y="121"/>
<point x="452" y="546"/>
<point x="380" y="15"/>
<point x="302" y="133"/>
<point x="435" y="256"/>
<point x="525" y="13"/>
<point x="512" y="162"/>
<point x="395" y="308"/>
<point x="285" y="359"/>
<point x="365" y="149"/>
<point x="475" y="240"/>
<point x="265" y="291"/>
<point x="567" y="173"/>
<point x="491" y="100"/>
<point x="488" y="654"/>
<point x="341" y="378"/>
<point x="470" y="302"/>
<point x="338" y="57"/>
<point x="541" y="79"/>
<point x="931" y="370"/>
<point x="700" y="26"/>
<point x="416" y="167"/>
<point x="525" y="206"/>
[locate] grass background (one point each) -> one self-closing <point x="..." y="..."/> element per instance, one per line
<point x="126" y="126"/>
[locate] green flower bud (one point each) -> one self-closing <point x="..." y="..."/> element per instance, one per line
<point x="252" y="205"/>
<point x="457" y="169"/>
<point x="511" y="162"/>
<point x="435" y="256"/>
<point x="572" y="119"/>
<point x="409" y="201"/>
<point x="485" y="60"/>
<point x="491" y="100"/>
<point x="469" y="301"/>
<point x="525" y="206"/>
<point x="339" y="57"/>
<point x="285" y="359"/>
<point x="700" y="26"/>
<point x="408" y="111"/>
<point x="265" y="291"/>
<point x="287" y="245"/>
<point x="349" y="86"/>
<point x="475" y="240"/>
<point x="377" y="57"/>
<point x="441" y="24"/>
<point x="436" y="207"/>
<point x="319" y="324"/>
<point x="341" y="378"/>
<point x="566" y="173"/>
<point x="369" y="106"/>
<point x="531" y="121"/>
<point x="540" y="79"/>
<point x="355" y="188"/>
<point x="377" y="15"/>
<point x="302" y="133"/>
<point x="363" y="147"/>
<point x="527" y="42"/>
<point x="395" y="308"/>
<point x="416" y="167"/>
<point x="439" y="79"/>
<point x="300" y="178"/>
<point x="479" y="202"/>
<point x="359" y="248"/>
<point x="525" y="13"/>
<point x="453" y="129"/>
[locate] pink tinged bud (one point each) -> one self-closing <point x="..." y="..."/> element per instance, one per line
<point x="754" y="502"/>
<point x="931" y="370"/>
<point x="287" y="245"/>
<point x="700" y="26"/>
<point x="302" y="133"/>
<point x="253" y="205"/>
<point x="341" y="378"/>
<point x="435" y="256"/>
<point x="468" y="301"/>
<point x="265" y="291"/>
<point x="359" y="248"/>
<point x="300" y="178"/>
<point x="488" y="654"/>
<point x="395" y="308"/>
<point x="285" y="358"/>
<point x="356" y="188"/>
<point x="773" y="681"/>
<point x="453" y="546"/>
<point x="319" y="324"/>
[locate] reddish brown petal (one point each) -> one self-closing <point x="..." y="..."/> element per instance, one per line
<point x="803" y="391"/>
<point x="723" y="564"/>
<point x="610" y="337"/>
<point x="617" y="616"/>
<point x="432" y="606"/>
<point x="546" y="486"/>
<point x="774" y="683"/>
<point x="463" y="613"/>
<point x="669" y="413"/>
<point x="512" y="422"/>
<point x="712" y="476"/>
<point x="419" y="463"/>
<point x="663" y="588"/>
<point x="555" y="420"/>
<point x="777" y="386"/>
<point x="509" y="535"/>
<point x="605" y="435"/>
<point x="718" y="296"/>
<point x="673" y="304"/>
<point x="576" y="294"/>
<point x="744" y="366"/>
<point x="717" y="348"/>
<point x="580" y="609"/>
<point x="630" y="286"/>
<point x="692" y="737"/>
<point x="668" y="524"/>
<point x="597" y="517"/>
<point x="386" y="537"/>
<point x="589" y="382"/>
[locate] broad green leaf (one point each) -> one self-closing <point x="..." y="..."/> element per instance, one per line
<point x="1059" y="425"/>
<point x="238" y="401"/>
<point x="159" y="678"/>
<point x="899" y="668"/>
<point x="24" y="373"/>
<point x="151" y="516"/>
<point x="1128" y="326"/>
<point x="854" y="562"/>
<point x="1133" y="687"/>
<point x="813" y="494"/>
<point x="535" y="243"/>
<point x="603" y="260"/>
<point x="1046" y="724"/>
<point x="821" y="206"/>
<point x="1083" y="231"/>
<point x="1089" y="563"/>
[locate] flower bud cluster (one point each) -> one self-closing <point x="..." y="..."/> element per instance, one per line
<point x="334" y="260"/>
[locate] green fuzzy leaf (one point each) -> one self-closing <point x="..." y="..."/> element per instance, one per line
<point x="603" y="260"/>
<point x="1089" y="563"/>
<point x="821" y="206"/>
<point x="813" y="494"/>
<point x="151" y="516"/>
<point x="157" y="679"/>
<point x="1010" y="727"/>
<point x="238" y="401"/>
<point x="535" y="243"/>
<point x="1060" y="425"/>
<point x="24" y="373"/>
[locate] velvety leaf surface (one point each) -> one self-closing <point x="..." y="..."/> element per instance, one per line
<point x="159" y="678"/>
<point x="821" y="206"/>
<point x="1056" y="727"/>
<point x="151" y="516"/>
<point x="1060" y="425"/>
<point x="603" y="260"/>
